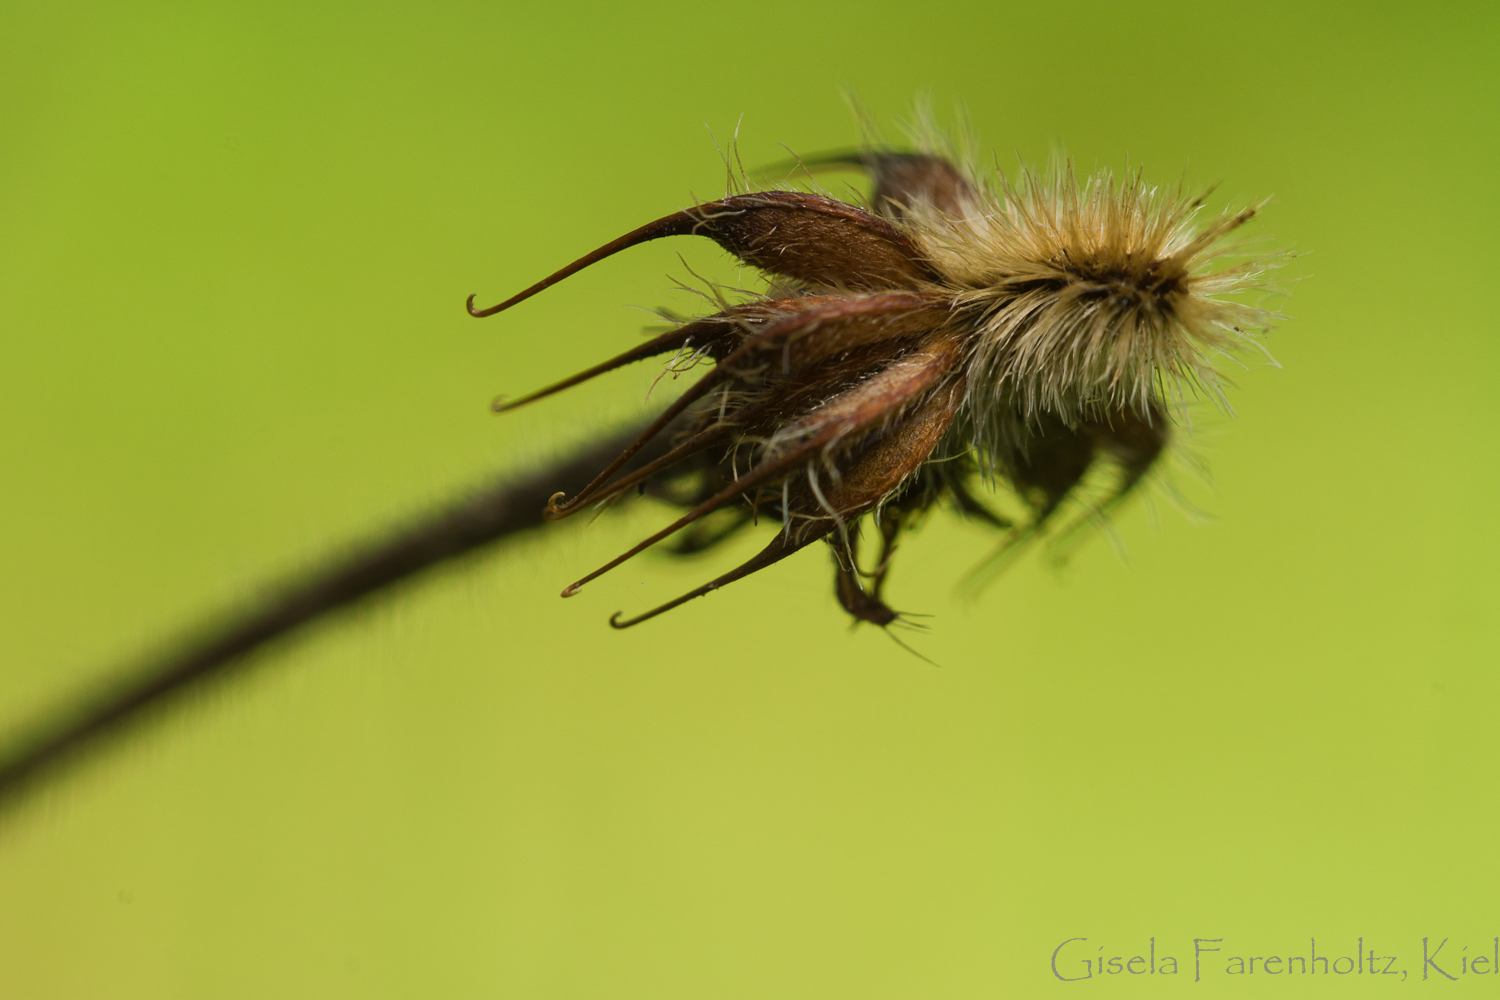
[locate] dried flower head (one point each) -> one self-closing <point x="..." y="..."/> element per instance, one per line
<point x="961" y="327"/>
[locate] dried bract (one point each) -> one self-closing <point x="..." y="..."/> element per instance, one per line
<point x="960" y="328"/>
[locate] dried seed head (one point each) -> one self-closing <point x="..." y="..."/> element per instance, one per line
<point x="966" y="325"/>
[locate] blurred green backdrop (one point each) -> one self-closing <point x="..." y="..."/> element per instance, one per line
<point x="235" y="245"/>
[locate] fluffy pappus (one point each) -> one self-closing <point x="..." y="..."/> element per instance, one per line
<point x="1093" y="296"/>
<point x="959" y="328"/>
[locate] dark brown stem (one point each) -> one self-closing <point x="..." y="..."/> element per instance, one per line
<point x="513" y="505"/>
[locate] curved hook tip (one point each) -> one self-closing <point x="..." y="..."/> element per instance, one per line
<point x="555" y="511"/>
<point x="482" y="313"/>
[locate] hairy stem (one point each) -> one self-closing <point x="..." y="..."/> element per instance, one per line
<point x="513" y="504"/>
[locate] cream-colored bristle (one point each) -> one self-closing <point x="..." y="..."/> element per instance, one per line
<point x="1090" y="295"/>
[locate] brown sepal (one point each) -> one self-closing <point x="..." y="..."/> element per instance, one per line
<point x="805" y="237"/>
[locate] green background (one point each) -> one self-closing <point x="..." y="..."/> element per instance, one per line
<point x="235" y="240"/>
